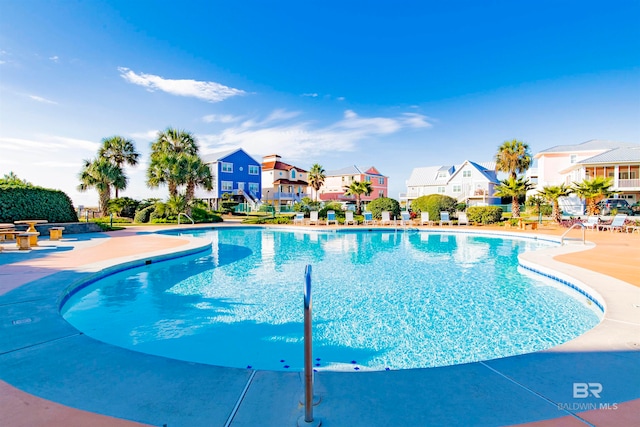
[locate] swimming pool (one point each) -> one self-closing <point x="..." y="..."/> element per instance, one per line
<point x="382" y="300"/>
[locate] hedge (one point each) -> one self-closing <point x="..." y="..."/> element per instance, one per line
<point x="19" y="203"/>
<point x="434" y="204"/>
<point x="384" y="204"/>
<point x="484" y="214"/>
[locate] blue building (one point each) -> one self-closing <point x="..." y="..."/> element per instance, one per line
<point x="234" y="173"/>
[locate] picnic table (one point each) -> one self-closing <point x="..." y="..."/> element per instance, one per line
<point x="31" y="229"/>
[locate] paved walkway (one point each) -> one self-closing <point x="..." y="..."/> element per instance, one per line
<point x="52" y="375"/>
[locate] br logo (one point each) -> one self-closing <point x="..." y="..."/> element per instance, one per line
<point x="583" y="390"/>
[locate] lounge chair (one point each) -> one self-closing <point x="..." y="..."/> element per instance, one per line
<point x="331" y="217"/>
<point x="385" y="218"/>
<point x="462" y="219"/>
<point x="424" y="218"/>
<point x="616" y="224"/>
<point x="444" y="218"/>
<point x="299" y="218"/>
<point x="592" y="222"/>
<point x="313" y="218"/>
<point x="348" y="218"/>
<point x="405" y="218"/>
<point x="368" y="218"/>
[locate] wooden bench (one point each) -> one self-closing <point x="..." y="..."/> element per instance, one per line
<point x="522" y="224"/>
<point x="55" y="233"/>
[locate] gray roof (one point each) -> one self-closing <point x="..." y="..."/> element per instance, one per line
<point x="350" y="170"/>
<point x="219" y="155"/>
<point x="594" y="144"/>
<point x="617" y="155"/>
<point x="429" y="175"/>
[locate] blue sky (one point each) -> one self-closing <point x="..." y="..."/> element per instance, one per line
<point x="394" y="85"/>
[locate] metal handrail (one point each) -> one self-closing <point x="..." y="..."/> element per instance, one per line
<point x="188" y="217"/>
<point x="584" y="230"/>
<point x="308" y="347"/>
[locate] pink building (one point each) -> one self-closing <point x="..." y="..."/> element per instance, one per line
<point x="337" y="181"/>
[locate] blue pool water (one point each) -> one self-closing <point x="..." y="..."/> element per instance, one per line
<point x="381" y="300"/>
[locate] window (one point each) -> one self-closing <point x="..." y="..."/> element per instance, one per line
<point x="254" y="170"/>
<point x="226" y="185"/>
<point x="293" y="174"/>
<point x="457" y="188"/>
<point x="227" y="167"/>
<point x="442" y="174"/>
<point x="573" y="158"/>
<point x="253" y="188"/>
<point x="380" y="181"/>
<point x="367" y="178"/>
<point x="380" y="193"/>
<point x="466" y="174"/>
<point x="441" y="190"/>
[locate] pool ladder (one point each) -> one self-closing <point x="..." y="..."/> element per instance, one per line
<point x="307" y="419"/>
<point x="577" y="224"/>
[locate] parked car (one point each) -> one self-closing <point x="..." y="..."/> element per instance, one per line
<point x="620" y="205"/>
<point x="636" y="208"/>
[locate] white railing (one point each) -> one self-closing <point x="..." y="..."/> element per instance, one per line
<point x="188" y="217"/>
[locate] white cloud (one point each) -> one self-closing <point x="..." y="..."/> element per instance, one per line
<point x="310" y="95"/>
<point x="54" y="58"/>
<point x="416" y="120"/>
<point x="302" y="140"/>
<point x="208" y="91"/>
<point x="220" y="118"/>
<point x="149" y="135"/>
<point x="41" y="99"/>
<point x="47" y="143"/>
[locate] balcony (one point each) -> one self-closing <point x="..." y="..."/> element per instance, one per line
<point x="628" y="183"/>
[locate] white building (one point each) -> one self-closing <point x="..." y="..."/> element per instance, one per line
<point x="470" y="183"/>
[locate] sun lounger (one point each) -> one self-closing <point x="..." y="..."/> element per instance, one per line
<point x="405" y="218"/>
<point x="444" y="218"/>
<point x="462" y="219"/>
<point x="348" y="218"/>
<point x="298" y="219"/>
<point x="386" y="218"/>
<point x="331" y="217"/>
<point x="313" y="218"/>
<point x="424" y="218"/>
<point x="616" y="224"/>
<point x="368" y="218"/>
<point x="592" y="222"/>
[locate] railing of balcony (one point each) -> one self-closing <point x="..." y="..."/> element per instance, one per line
<point x="627" y="183"/>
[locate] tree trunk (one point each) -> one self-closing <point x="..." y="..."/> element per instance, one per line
<point x="515" y="208"/>
<point x="189" y="193"/>
<point x="556" y="212"/>
<point x="105" y="196"/>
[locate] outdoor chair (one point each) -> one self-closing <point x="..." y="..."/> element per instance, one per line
<point x="444" y="218"/>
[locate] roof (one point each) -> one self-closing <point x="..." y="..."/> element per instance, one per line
<point x="354" y="170"/>
<point x="280" y="166"/>
<point x="221" y="155"/>
<point x="617" y="155"/>
<point x="594" y="144"/>
<point x="429" y="175"/>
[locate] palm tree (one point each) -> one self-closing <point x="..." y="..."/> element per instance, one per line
<point x="552" y="193"/>
<point x="316" y="177"/>
<point x="101" y="175"/>
<point x="197" y="174"/>
<point x="166" y="151"/>
<point x="513" y="157"/>
<point x="119" y="151"/>
<point x="514" y="188"/>
<point x="358" y="188"/>
<point x="593" y="190"/>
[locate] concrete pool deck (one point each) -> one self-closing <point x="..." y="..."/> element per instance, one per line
<point x="51" y="374"/>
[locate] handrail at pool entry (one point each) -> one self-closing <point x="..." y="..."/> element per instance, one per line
<point x="308" y="354"/>
<point x="188" y="217"/>
<point x="571" y="228"/>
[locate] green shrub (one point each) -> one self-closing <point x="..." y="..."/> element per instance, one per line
<point x="28" y="202"/>
<point x="384" y="204"/>
<point x="267" y="220"/>
<point x="144" y="215"/>
<point x="484" y="214"/>
<point x="434" y="204"/>
<point x="331" y="206"/>
<point x="203" y="215"/>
